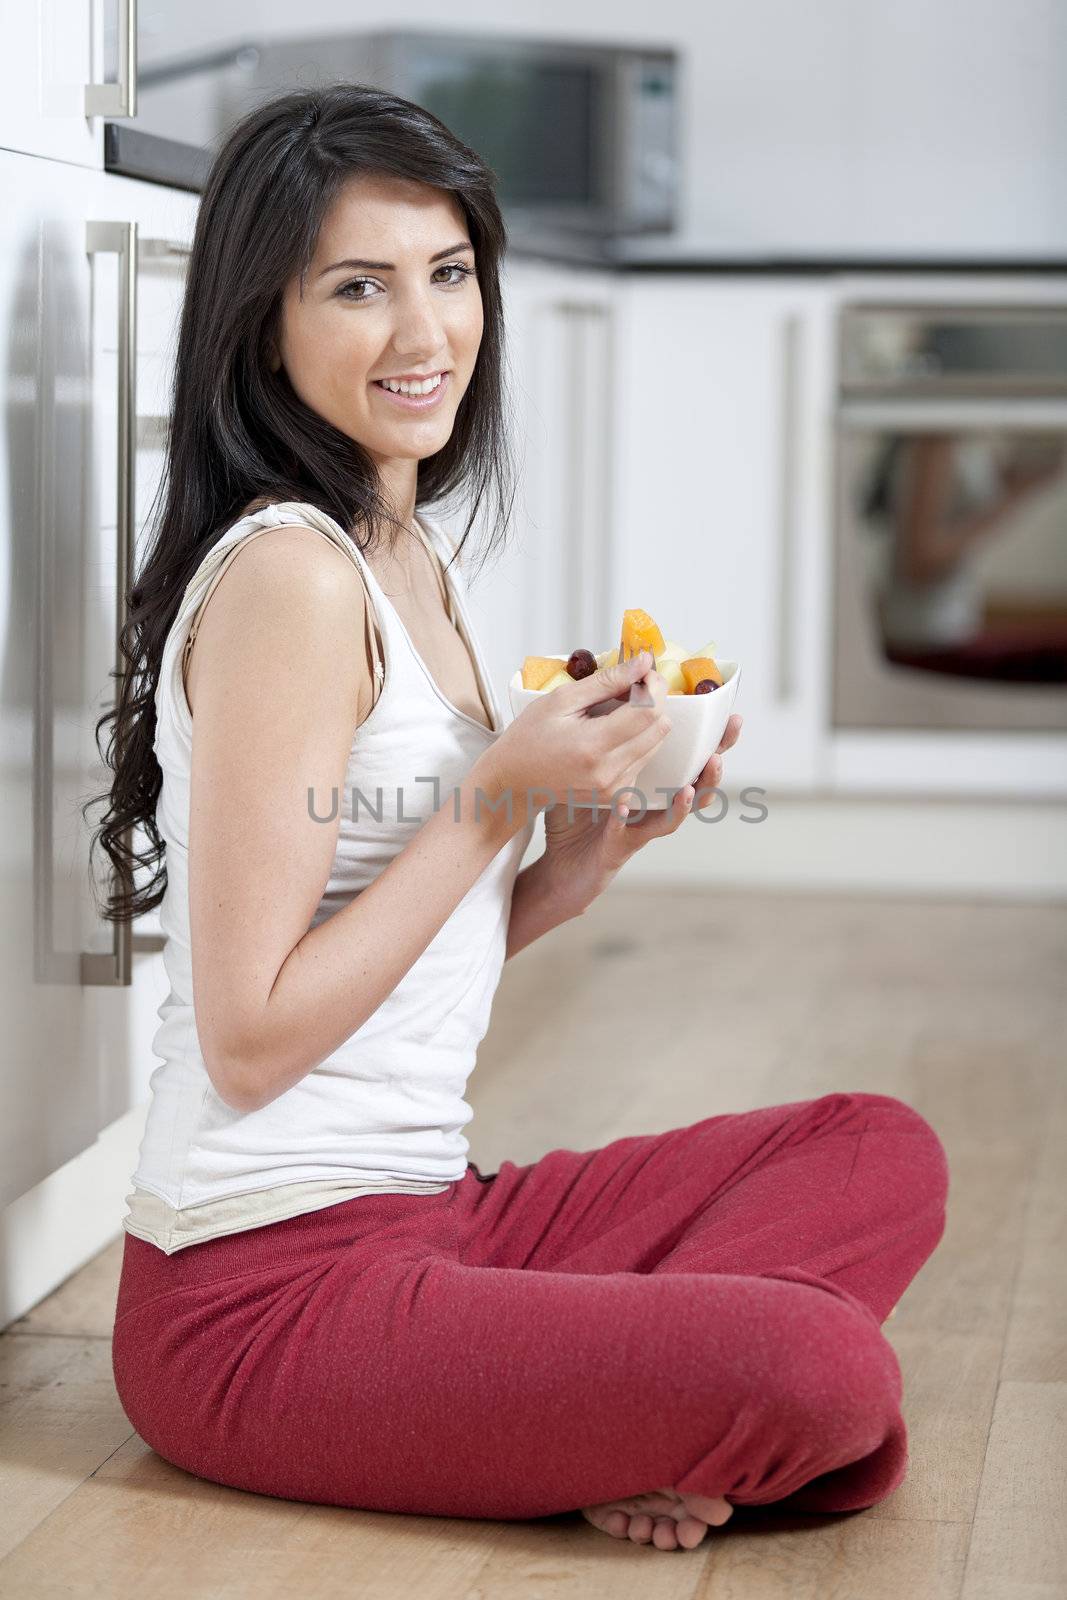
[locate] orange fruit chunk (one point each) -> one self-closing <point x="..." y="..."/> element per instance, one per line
<point x="639" y="632"/>
<point x="536" y="670"/>
<point x="696" y="668"/>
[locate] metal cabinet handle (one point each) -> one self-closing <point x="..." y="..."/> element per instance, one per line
<point x="176" y="249"/>
<point x="118" y="99"/>
<point x="120" y="238"/>
<point x="784" y="596"/>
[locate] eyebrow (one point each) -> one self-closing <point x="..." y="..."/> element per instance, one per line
<point x="389" y="266"/>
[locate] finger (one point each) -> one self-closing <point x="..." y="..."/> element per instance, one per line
<point x="710" y="778"/>
<point x="707" y="786"/>
<point x="731" y="735"/>
<point x="606" y="682"/>
<point x="664" y="819"/>
<point x="649" y="690"/>
<point x="652" y="728"/>
<point x="630" y="719"/>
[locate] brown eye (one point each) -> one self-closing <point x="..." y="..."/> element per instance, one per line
<point x="356" y="283"/>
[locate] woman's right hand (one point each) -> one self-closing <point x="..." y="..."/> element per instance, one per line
<point x="559" y="743"/>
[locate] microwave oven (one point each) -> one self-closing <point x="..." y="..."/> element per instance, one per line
<point x="583" y="138"/>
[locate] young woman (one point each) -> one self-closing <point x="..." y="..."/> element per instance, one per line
<point x="321" y="1298"/>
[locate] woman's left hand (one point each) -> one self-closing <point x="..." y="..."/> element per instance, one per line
<point x="586" y="850"/>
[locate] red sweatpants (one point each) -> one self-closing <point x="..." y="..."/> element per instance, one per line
<point x="699" y="1308"/>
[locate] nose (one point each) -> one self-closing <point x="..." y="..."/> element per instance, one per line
<point x="418" y="332"/>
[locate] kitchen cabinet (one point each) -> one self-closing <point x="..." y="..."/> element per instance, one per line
<point x="722" y="507"/>
<point x="67" y="1064"/>
<point x="65" y="67"/>
<point x="546" y="587"/>
<point x="677" y="436"/>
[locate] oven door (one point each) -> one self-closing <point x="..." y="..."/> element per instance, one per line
<point x="950" y="604"/>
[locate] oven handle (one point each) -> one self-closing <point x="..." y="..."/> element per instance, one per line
<point x="948" y="416"/>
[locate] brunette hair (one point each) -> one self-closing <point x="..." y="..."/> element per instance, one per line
<point x="240" y="436"/>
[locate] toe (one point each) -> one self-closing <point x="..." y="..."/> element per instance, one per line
<point x="690" y="1531"/>
<point x="664" y="1534"/>
<point x="713" y="1510"/>
<point x="641" y="1528"/>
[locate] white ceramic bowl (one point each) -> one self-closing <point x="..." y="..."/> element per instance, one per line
<point x="698" y="722"/>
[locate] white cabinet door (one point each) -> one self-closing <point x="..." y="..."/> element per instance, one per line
<point x="66" y="1056"/>
<point x="721" y="527"/>
<point x="55" y="1033"/>
<point x="164" y="223"/>
<point x="545" y="594"/>
<point x="59" y="72"/>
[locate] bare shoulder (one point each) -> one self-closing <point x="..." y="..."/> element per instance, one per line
<point x="295" y="545"/>
<point x="287" y="581"/>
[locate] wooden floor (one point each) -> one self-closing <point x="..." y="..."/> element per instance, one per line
<point x="651" y="1011"/>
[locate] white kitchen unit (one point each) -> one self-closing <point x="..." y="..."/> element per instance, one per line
<point x="544" y="593"/>
<point x="721" y="477"/>
<point x="86" y="259"/>
<point x="677" y="430"/>
<point x="67" y="65"/>
<point x="687" y="450"/>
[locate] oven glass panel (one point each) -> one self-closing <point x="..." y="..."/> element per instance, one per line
<point x="950" y="605"/>
<point x="964" y="539"/>
<point x="950" y="582"/>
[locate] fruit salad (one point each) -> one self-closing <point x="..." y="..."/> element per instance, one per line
<point x="685" y="672"/>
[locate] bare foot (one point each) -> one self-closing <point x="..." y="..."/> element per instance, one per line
<point x="662" y="1517"/>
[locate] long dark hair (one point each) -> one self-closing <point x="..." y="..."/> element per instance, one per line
<point x="240" y="434"/>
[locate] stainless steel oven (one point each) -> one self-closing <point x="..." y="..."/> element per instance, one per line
<point x="950" y="567"/>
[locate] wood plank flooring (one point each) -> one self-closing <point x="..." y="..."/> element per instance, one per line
<point x="652" y="1010"/>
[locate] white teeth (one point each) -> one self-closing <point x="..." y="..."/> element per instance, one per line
<point x="426" y="386"/>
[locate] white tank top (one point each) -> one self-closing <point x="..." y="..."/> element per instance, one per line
<point x="386" y="1109"/>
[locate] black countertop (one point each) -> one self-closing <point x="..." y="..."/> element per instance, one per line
<point x="136" y="153"/>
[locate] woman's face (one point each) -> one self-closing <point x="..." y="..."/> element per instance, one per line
<point x="399" y="312"/>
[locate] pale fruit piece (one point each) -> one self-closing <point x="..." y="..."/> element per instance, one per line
<point x="536" y="671"/>
<point x="671" y="671"/>
<point x="676" y="651"/>
<point x="608" y="658"/>
<point x="711" y="649"/>
<point x="555" y="681"/>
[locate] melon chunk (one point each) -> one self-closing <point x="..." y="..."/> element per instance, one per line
<point x="670" y="671"/>
<point x="696" y="668"/>
<point x="639" y="632"/>
<point x="678" y="652"/>
<point x="536" y="670"/>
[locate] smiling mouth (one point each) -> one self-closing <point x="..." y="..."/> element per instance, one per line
<point x="414" y="402"/>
